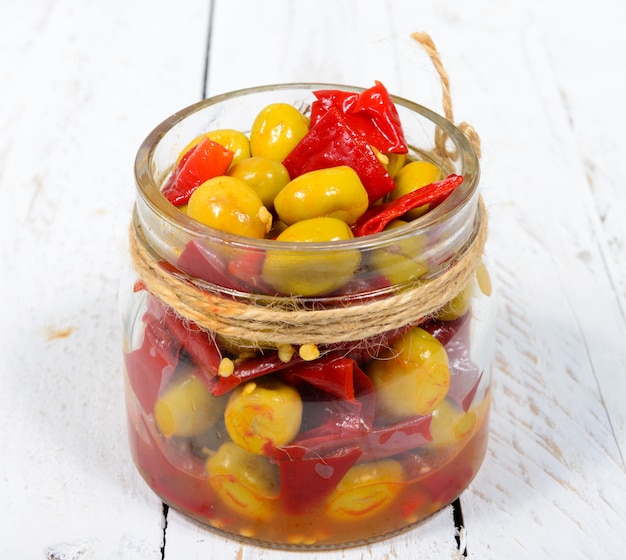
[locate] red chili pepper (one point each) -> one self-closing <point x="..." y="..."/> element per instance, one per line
<point x="251" y="369"/>
<point x="206" y="265"/>
<point x="153" y="363"/>
<point x="377" y="443"/>
<point x="331" y="143"/>
<point x="205" y="160"/>
<point x="306" y="478"/>
<point x="197" y="343"/>
<point x="344" y="393"/>
<point x="378" y="216"/>
<point x="371" y="114"/>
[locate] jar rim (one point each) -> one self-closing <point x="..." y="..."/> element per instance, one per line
<point x="150" y="193"/>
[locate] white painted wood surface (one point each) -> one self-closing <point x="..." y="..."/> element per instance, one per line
<point x="541" y="81"/>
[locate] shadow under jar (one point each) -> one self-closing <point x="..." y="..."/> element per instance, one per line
<point x="322" y="419"/>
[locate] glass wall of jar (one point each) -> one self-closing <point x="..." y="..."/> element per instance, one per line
<point x="316" y="394"/>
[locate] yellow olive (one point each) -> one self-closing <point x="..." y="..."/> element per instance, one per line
<point x="276" y="130"/>
<point x="261" y="415"/>
<point x="412" y="176"/>
<point x="483" y="279"/>
<point x="413" y="378"/>
<point x="396" y="161"/>
<point x="458" y="305"/>
<point x="305" y="273"/>
<point x="266" y="176"/>
<point x="336" y="192"/>
<point x="366" y="490"/>
<point x="451" y="424"/>
<point x="402" y="261"/>
<point x="246" y="483"/>
<point x="186" y="408"/>
<point x="230" y="205"/>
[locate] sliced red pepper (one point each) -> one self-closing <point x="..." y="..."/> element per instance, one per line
<point x="197" y="343"/>
<point x="306" y="478"/>
<point x="371" y="114"/>
<point x="247" y="268"/>
<point x="201" y="263"/>
<point x="330" y="374"/>
<point x="377" y="443"/>
<point x="339" y="396"/>
<point x="205" y="160"/>
<point x="378" y="216"/>
<point x="153" y="363"/>
<point x="251" y="369"/>
<point x="331" y="143"/>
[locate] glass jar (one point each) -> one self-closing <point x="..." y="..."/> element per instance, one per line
<point x="330" y="417"/>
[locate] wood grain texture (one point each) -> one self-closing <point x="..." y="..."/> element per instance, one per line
<point x="82" y="84"/>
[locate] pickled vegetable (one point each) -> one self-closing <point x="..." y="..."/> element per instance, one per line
<point x="276" y="131"/>
<point x="230" y="205"/>
<point x="412" y="176"/>
<point x="187" y="408"/>
<point x="266" y="176"/>
<point x="336" y="192"/>
<point x="413" y="379"/>
<point x="264" y="414"/>
<point x="304" y="274"/>
<point x="366" y="490"/>
<point x="245" y="482"/>
<point x="403" y="261"/>
<point x="450" y="424"/>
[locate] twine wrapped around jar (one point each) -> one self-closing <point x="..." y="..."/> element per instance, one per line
<point x="287" y="320"/>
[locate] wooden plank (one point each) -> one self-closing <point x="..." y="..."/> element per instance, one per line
<point x="82" y="84"/>
<point x="558" y="416"/>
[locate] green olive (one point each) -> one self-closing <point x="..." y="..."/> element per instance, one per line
<point x="366" y="490"/>
<point x="266" y="176"/>
<point x="276" y="130"/>
<point x="261" y="415"/>
<point x="230" y="205"/>
<point x="458" y="305"/>
<point x="402" y="261"/>
<point x="412" y="176"/>
<point x="336" y="192"/>
<point x="306" y="273"/>
<point x="413" y="378"/>
<point x="187" y="408"/>
<point x="246" y="483"/>
<point x="450" y="424"/>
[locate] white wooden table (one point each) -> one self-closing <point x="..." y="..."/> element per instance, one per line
<point x="81" y="84"/>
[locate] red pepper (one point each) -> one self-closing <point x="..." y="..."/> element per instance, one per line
<point x="153" y="363"/>
<point x="201" y="263"/>
<point x="331" y="143"/>
<point x="306" y="478"/>
<point x="197" y="343"/>
<point x="378" y="216"/>
<point x="377" y="443"/>
<point x="251" y="369"/>
<point x="343" y="394"/>
<point x="205" y="160"/>
<point x="371" y="114"/>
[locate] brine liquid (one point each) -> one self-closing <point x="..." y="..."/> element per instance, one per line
<point x="432" y="478"/>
